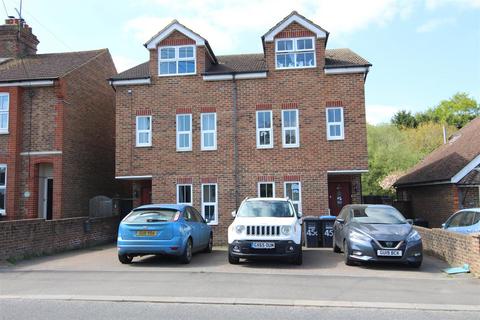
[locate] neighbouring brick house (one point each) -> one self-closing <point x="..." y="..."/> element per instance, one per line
<point x="446" y="180"/>
<point x="57" y="127"/>
<point x="194" y="127"/>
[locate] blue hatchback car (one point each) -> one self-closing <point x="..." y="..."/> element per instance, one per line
<point x="163" y="229"/>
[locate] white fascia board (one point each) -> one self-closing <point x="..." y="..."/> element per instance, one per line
<point x="33" y="83"/>
<point x="148" y="177"/>
<point x="319" y="32"/>
<point x="39" y="153"/>
<point x="131" y="82"/>
<point x="354" y="171"/>
<point x="346" y="70"/>
<point x="238" y="76"/>
<point x="466" y="170"/>
<point x="152" y="44"/>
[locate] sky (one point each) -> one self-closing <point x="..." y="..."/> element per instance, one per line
<point x="422" y="51"/>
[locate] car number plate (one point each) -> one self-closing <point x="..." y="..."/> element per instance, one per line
<point x="146" y="233"/>
<point x="263" y="245"/>
<point x="389" y="253"/>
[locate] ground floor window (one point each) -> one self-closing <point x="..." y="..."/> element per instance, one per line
<point x="266" y="189"/>
<point x="184" y="194"/>
<point x="210" y="203"/>
<point x="3" y="188"/>
<point x="293" y="191"/>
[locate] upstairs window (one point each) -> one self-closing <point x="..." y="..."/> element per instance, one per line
<point x="3" y="188"/>
<point x="209" y="131"/>
<point x="335" y="125"/>
<point x="144" y="131"/>
<point x="295" y="53"/>
<point x="290" y="128"/>
<point x="178" y="60"/>
<point x="184" y="132"/>
<point x="4" y="103"/>
<point x="264" y="129"/>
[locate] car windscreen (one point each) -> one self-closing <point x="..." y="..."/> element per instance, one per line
<point x="380" y="215"/>
<point x="265" y="209"/>
<point x="152" y="215"/>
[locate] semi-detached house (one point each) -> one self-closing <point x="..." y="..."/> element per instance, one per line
<point x="193" y="127"/>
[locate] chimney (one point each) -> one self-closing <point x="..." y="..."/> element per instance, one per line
<point x="17" y="39"/>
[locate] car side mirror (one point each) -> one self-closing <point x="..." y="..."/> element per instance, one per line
<point x="299" y="214"/>
<point x="410" y="221"/>
<point x="340" y="220"/>
<point x="444" y="226"/>
<point x="234" y="213"/>
<point x="207" y="221"/>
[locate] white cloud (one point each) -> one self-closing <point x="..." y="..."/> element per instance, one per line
<point x="434" y="24"/>
<point x="377" y="114"/>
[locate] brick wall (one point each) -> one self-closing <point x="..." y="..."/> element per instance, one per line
<point x="34" y="237"/>
<point x="433" y="203"/>
<point x="455" y="248"/>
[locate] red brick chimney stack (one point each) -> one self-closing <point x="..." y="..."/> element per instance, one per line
<point x="17" y="39"/>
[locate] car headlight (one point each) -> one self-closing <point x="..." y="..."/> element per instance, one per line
<point x="286" y="230"/>
<point x="414" y="236"/>
<point x="239" y="228"/>
<point x="357" y="236"/>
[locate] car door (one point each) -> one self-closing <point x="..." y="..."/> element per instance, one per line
<point x="338" y="227"/>
<point x="193" y="225"/>
<point x="453" y="224"/>
<point x="204" y="229"/>
<point x="467" y="222"/>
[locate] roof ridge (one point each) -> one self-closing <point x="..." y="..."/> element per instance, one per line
<point x="100" y="52"/>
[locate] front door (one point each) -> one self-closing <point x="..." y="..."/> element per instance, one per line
<point x="339" y="194"/>
<point x="146" y="195"/>
<point x="48" y="198"/>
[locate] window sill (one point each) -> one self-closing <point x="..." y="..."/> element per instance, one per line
<point x="209" y="149"/>
<point x="291" y="146"/>
<point x="143" y="146"/>
<point x="335" y="139"/>
<point x="4" y="132"/>
<point x="184" y="150"/>
<point x="213" y="223"/>
<point x="264" y="147"/>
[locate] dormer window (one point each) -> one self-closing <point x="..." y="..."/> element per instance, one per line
<point x="178" y="60"/>
<point x="295" y="53"/>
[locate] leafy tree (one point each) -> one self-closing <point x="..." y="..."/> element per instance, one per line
<point x="404" y="119"/>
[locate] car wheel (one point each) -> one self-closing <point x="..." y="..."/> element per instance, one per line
<point x="336" y="248"/>
<point x="232" y="259"/>
<point x="415" y="264"/>
<point x="298" y="260"/>
<point x="209" y="247"/>
<point x="186" y="257"/>
<point x="125" y="258"/>
<point x="346" y="254"/>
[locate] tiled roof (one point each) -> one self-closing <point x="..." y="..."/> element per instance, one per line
<point x="335" y="58"/>
<point x="447" y="160"/>
<point x="254" y="62"/>
<point x="44" y="66"/>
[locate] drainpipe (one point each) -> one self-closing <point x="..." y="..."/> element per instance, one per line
<point x="235" y="141"/>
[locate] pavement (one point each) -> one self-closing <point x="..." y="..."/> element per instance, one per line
<point x="95" y="277"/>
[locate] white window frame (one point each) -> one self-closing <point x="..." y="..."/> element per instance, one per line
<point x="189" y="132"/>
<point x="214" y="131"/>
<point x="6" y="112"/>
<point x="266" y="182"/>
<point x="258" y="130"/>
<point x="299" y="202"/>
<point x="295" y="51"/>
<point x="176" y="60"/>
<point x="4" y="210"/>
<point x="191" y="193"/>
<point x="138" y="131"/>
<point x="215" y="204"/>
<point x="341" y="123"/>
<point x="296" y="128"/>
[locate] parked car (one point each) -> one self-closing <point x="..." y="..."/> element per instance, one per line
<point x="265" y="228"/>
<point x="376" y="233"/>
<point x="464" y="221"/>
<point x="163" y="229"/>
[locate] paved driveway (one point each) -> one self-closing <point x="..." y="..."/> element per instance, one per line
<point x="320" y="261"/>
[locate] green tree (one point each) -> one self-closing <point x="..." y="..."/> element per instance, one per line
<point x="404" y="119"/>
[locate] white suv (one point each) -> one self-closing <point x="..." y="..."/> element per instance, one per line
<point x="265" y="228"/>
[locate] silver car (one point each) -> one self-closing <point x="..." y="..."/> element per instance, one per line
<point x="376" y="233"/>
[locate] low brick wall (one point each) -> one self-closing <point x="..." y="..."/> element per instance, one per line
<point x="21" y="239"/>
<point x="454" y="248"/>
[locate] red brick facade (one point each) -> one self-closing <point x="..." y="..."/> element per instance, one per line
<point x="67" y="126"/>
<point x="308" y="90"/>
